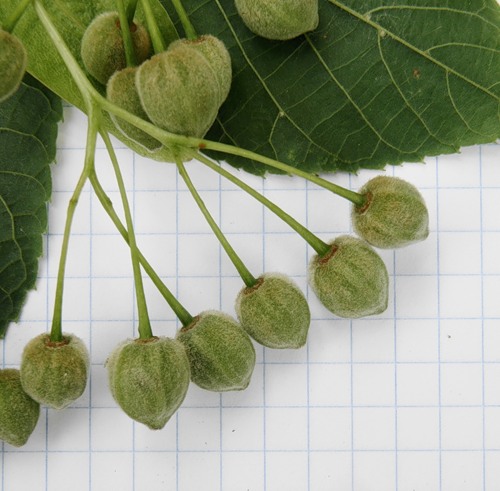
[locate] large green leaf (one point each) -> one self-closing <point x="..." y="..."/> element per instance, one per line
<point x="379" y="81"/>
<point x="28" y="130"/>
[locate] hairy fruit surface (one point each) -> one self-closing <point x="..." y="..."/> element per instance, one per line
<point x="179" y="91"/>
<point x="220" y="352"/>
<point x="121" y="90"/>
<point x="395" y="214"/>
<point x="102" y="49"/>
<point x="55" y="374"/>
<point x="279" y="20"/>
<point x="149" y="379"/>
<point x="351" y="280"/>
<point x="274" y="312"/>
<point x="18" y="411"/>
<point x="217" y="56"/>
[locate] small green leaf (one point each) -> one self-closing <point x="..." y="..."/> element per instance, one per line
<point x="377" y="82"/>
<point x="28" y="131"/>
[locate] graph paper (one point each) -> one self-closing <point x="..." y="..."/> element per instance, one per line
<point x="407" y="400"/>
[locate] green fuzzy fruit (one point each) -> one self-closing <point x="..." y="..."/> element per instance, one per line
<point x="121" y="90"/>
<point x="55" y="374"/>
<point x="149" y="379"/>
<point x="13" y="60"/>
<point x="221" y="354"/>
<point x="274" y="312"/>
<point x="280" y="20"/>
<point x="394" y="215"/>
<point x="351" y="280"/>
<point x="217" y="55"/>
<point x="179" y="91"/>
<point x="103" y="51"/>
<point x="18" y="411"/>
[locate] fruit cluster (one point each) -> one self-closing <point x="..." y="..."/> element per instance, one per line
<point x="180" y="89"/>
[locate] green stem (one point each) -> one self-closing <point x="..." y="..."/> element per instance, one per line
<point x="243" y="271"/>
<point x="11" y="22"/>
<point x="184" y="18"/>
<point x="93" y="127"/>
<point x="157" y="39"/>
<point x="183" y="315"/>
<point x="167" y="138"/>
<point x="353" y="197"/>
<point x="131" y="8"/>
<point x="315" y="242"/>
<point x="199" y="143"/>
<point x="145" y="331"/>
<point x="126" y="34"/>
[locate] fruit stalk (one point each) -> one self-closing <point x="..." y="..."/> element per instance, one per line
<point x="145" y="331"/>
<point x="127" y="36"/>
<point x="315" y="242"/>
<point x="243" y="271"/>
<point x="186" y="23"/>
<point x="159" y="44"/>
<point x="182" y="314"/>
<point x="56" y="335"/>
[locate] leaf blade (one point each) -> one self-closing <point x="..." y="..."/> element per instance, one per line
<point x="28" y="130"/>
<point x="376" y="95"/>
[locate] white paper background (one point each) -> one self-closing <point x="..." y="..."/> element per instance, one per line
<point x="408" y="400"/>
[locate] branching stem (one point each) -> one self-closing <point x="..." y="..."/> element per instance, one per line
<point x="243" y="271"/>
<point x="183" y="315"/>
<point x="353" y="197"/>
<point x="93" y="128"/>
<point x="315" y="242"/>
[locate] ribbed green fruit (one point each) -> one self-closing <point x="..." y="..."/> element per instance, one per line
<point x="395" y="214"/>
<point x="274" y="312"/>
<point x="220" y="352"/>
<point x="351" y="280"/>
<point x="102" y="49"/>
<point x="18" y="411"/>
<point x="179" y="91"/>
<point x="13" y="60"/>
<point x="121" y="90"/>
<point x="55" y="374"/>
<point x="280" y="20"/>
<point x="218" y="57"/>
<point x="149" y="379"/>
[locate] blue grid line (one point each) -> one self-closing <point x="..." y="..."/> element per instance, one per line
<point x="440" y="430"/>
<point x="483" y="388"/>
<point x="353" y="362"/>
<point x="265" y="449"/>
